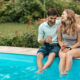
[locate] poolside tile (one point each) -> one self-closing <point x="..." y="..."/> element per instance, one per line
<point x="18" y="50"/>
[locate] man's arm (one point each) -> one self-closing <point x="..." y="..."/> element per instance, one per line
<point x="42" y="41"/>
<point x="41" y="34"/>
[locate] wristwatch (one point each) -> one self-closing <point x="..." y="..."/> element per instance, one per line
<point x="44" y="40"/>
<point x="70" y="48"/>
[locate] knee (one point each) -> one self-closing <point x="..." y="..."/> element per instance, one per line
<point x="53" y="54"/>
<point x="39" y="56"/>
<point x="68" y="55"/>
<point x="63" y="56"/>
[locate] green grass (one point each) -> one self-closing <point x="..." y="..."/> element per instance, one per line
<point x="11" y="28"/>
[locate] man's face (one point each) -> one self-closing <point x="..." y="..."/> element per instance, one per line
<point x="52" y="19"/>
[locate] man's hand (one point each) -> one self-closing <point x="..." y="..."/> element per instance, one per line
<point x="48" y="40"/>
<point x="42" y="41"/>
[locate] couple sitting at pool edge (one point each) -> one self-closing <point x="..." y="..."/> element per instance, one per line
<point x="59" y="38"/>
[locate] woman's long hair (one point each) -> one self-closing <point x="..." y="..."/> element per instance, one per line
<point x="69" y="26"/>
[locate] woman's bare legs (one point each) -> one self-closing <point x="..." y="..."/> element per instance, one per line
<point x="69" y="55"/>
<point x="66" y="59"/>
<point x="62" y="63"/>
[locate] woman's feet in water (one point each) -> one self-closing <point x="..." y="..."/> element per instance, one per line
<point x="63" y="73"/>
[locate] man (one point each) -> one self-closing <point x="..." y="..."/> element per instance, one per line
<point x="48" y="37"/>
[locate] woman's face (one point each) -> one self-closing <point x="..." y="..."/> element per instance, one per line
<point x="64" y="16"/>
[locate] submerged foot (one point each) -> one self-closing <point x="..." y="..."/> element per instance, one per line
<point x="39" y="71"/>
<point x="63" y="73"/>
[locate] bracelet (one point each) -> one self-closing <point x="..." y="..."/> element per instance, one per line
<point x="44" y="40"/>
<point x="70" y="48"/>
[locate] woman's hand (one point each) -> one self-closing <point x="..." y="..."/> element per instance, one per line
<point x="66" y="50"/>
<point x="63" y="47"/>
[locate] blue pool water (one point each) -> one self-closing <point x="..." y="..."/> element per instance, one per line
<point x="23" y="67"/>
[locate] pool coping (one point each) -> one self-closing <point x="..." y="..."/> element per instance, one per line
<point x="19" y="50"/>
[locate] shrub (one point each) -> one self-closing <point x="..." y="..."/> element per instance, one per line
<point x="23" y="10"/>
<point x="27" y="39"/>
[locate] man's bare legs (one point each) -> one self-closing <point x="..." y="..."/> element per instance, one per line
<point x="49" y="61"/>
<point x="47" y="64"/>
<point x="39" y="62"/>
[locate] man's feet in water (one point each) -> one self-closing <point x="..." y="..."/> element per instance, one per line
<point x="63" y="73"/>
<point x="39" y="71"/>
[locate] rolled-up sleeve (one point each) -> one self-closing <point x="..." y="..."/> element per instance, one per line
<point x="40" y="33"/>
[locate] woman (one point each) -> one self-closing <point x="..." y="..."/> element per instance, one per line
<point x="69" y="40"/>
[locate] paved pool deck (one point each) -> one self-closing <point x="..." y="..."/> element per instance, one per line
<point x="18" y="50"/>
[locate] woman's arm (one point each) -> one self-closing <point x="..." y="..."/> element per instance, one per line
<point x="78" y="41"/>
<point x="63" y="46"/>
<point x="59" y="36"/>
<point x="78" y="28"/>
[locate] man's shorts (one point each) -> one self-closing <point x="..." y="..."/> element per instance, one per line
<point x="47" y="48"/>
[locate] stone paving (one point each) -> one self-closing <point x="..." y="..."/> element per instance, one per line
<point x="18" y="50"/>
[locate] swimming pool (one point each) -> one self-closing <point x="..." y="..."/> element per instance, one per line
<point x="23" y="67"/>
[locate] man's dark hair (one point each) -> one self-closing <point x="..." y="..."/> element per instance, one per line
<point x="52" y="12"/>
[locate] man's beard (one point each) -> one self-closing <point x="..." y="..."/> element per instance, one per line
<point x="50" y="22"/>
